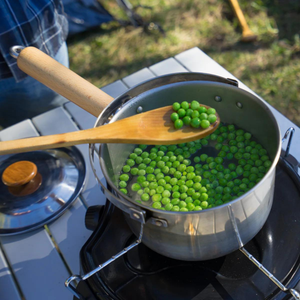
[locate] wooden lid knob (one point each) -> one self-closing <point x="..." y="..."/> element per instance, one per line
<point x="19" y="173"/>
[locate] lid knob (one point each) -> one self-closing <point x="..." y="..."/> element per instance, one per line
<point x="19" y="173"/>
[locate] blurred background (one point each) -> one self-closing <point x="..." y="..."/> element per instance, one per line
<point x="270" y="66"/>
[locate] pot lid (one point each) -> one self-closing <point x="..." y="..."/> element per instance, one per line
<point x="36" y="187"/>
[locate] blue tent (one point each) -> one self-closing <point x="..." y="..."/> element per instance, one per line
<point x="85" y="14"/>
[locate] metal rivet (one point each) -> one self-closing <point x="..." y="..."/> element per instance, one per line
<point x="139" y="110"/>
<point x="239" y="105"/>
<point x="158" y="223"/>
<point x="136" y="216"/>
<point x="218" y="99"/>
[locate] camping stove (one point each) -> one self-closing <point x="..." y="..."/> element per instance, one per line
<point x="267" y="267"/>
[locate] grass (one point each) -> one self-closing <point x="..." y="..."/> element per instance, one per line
<point x="270" y="66"/>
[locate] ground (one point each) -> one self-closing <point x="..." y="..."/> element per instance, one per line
<point x="270" y="66"/>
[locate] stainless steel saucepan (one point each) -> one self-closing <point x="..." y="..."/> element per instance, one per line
<point x="197" y="235"/>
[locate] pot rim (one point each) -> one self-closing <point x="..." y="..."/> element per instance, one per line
<point x="123" y="98"/>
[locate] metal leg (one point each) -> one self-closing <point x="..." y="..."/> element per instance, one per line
<point x="293" y="292"/>
<point x="70" y="282"/>
<point x="289" y="132"/>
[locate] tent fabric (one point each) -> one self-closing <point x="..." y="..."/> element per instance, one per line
<point x="85" y="14"/>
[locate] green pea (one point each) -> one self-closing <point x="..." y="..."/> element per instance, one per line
<point x="132" y="156"/>
<point x="189" y="112"/>
<point x="135" y="187"/>
<point x="231" y="127"/>
<point x="211" y="111"/>
<point x="160" y="189"/>
<point x="204" y="123"/>
<point x="247" y="136"/>
<point x="134" y="171"/>
<point x="153" y="164"/>
<point x="122" y="184"/>
<point x="183" y="209"/>
<point x="211" y="118"/>
<point x="141" y="173"/>
<point x="178" y="124"/>
<point x="223" y="182"/>
<point x="176" y="106"/>
<point x="161" y="182"/>
<point x="195" y="195"/>
<point x="203" y="197"/>
<point x="267" y="164"/>
<point x="219" y="190"/>
<point x="185" y="105"/>
<point x="175" y="208"/>
<point x="195" y="105"/>
<point x="168" y="187"/>
<point x="231" y="136"/>
<point x="183" y="196"/>
<point x="188" y="200"/>
<point x="145" y="197"/>
<point x="197" y="208"/>
<point x="138" y="151"/>
<point x="183" y="189"/>
<point x="176" y="195"/>
<point x="182" y="204"/>
<point x="222" y="154"/>
<point x="159" y="176"/>
<point x="177" y="174"/>
<point x="152" y="192"/>
<point x="169" y="206"/>
<point x="187" y="120"/>
<point x="138" y="160"/>
<point x="156" y="205"/>
<point x="175" y="201"/>
<point x="190" y="206"/>
<point x="202" y="109"/>
<point x="124" y="191"/>
<point x="156" y="197"/>
<point x="218" y="146"/>
<point x="166" y="194"/>
<point x="223" y="129"/>
<point x="126" y="169"/>
<point x="145" y="184"/>
<point x="195" y="122"/>
<point x="219" y="202"/>
<point x="124" y="177"/>
<point x="254" y="170"/>
<point x="204" y="142"/>
<point x="181" y="113"/>
<point x="195" y="114"/>
<point x="204" y="204"/>
<point x="174" y="116"/>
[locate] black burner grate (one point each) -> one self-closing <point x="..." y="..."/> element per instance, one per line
<point x="144" y="274"/>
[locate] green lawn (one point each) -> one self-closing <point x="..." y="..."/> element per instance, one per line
<point x="270" y="66"/>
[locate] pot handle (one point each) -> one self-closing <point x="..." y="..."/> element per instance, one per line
<point x="69" y="283"/>
<point x="289" y="132"/>
<point x="60" y="79"/>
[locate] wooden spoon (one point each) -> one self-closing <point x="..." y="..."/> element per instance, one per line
<point x="153" y="127"/>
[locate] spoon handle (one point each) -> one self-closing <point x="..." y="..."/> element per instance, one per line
<point x="110" y="133"/>
<point x="49" y="141"/>
<point x="62" y="80"/>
